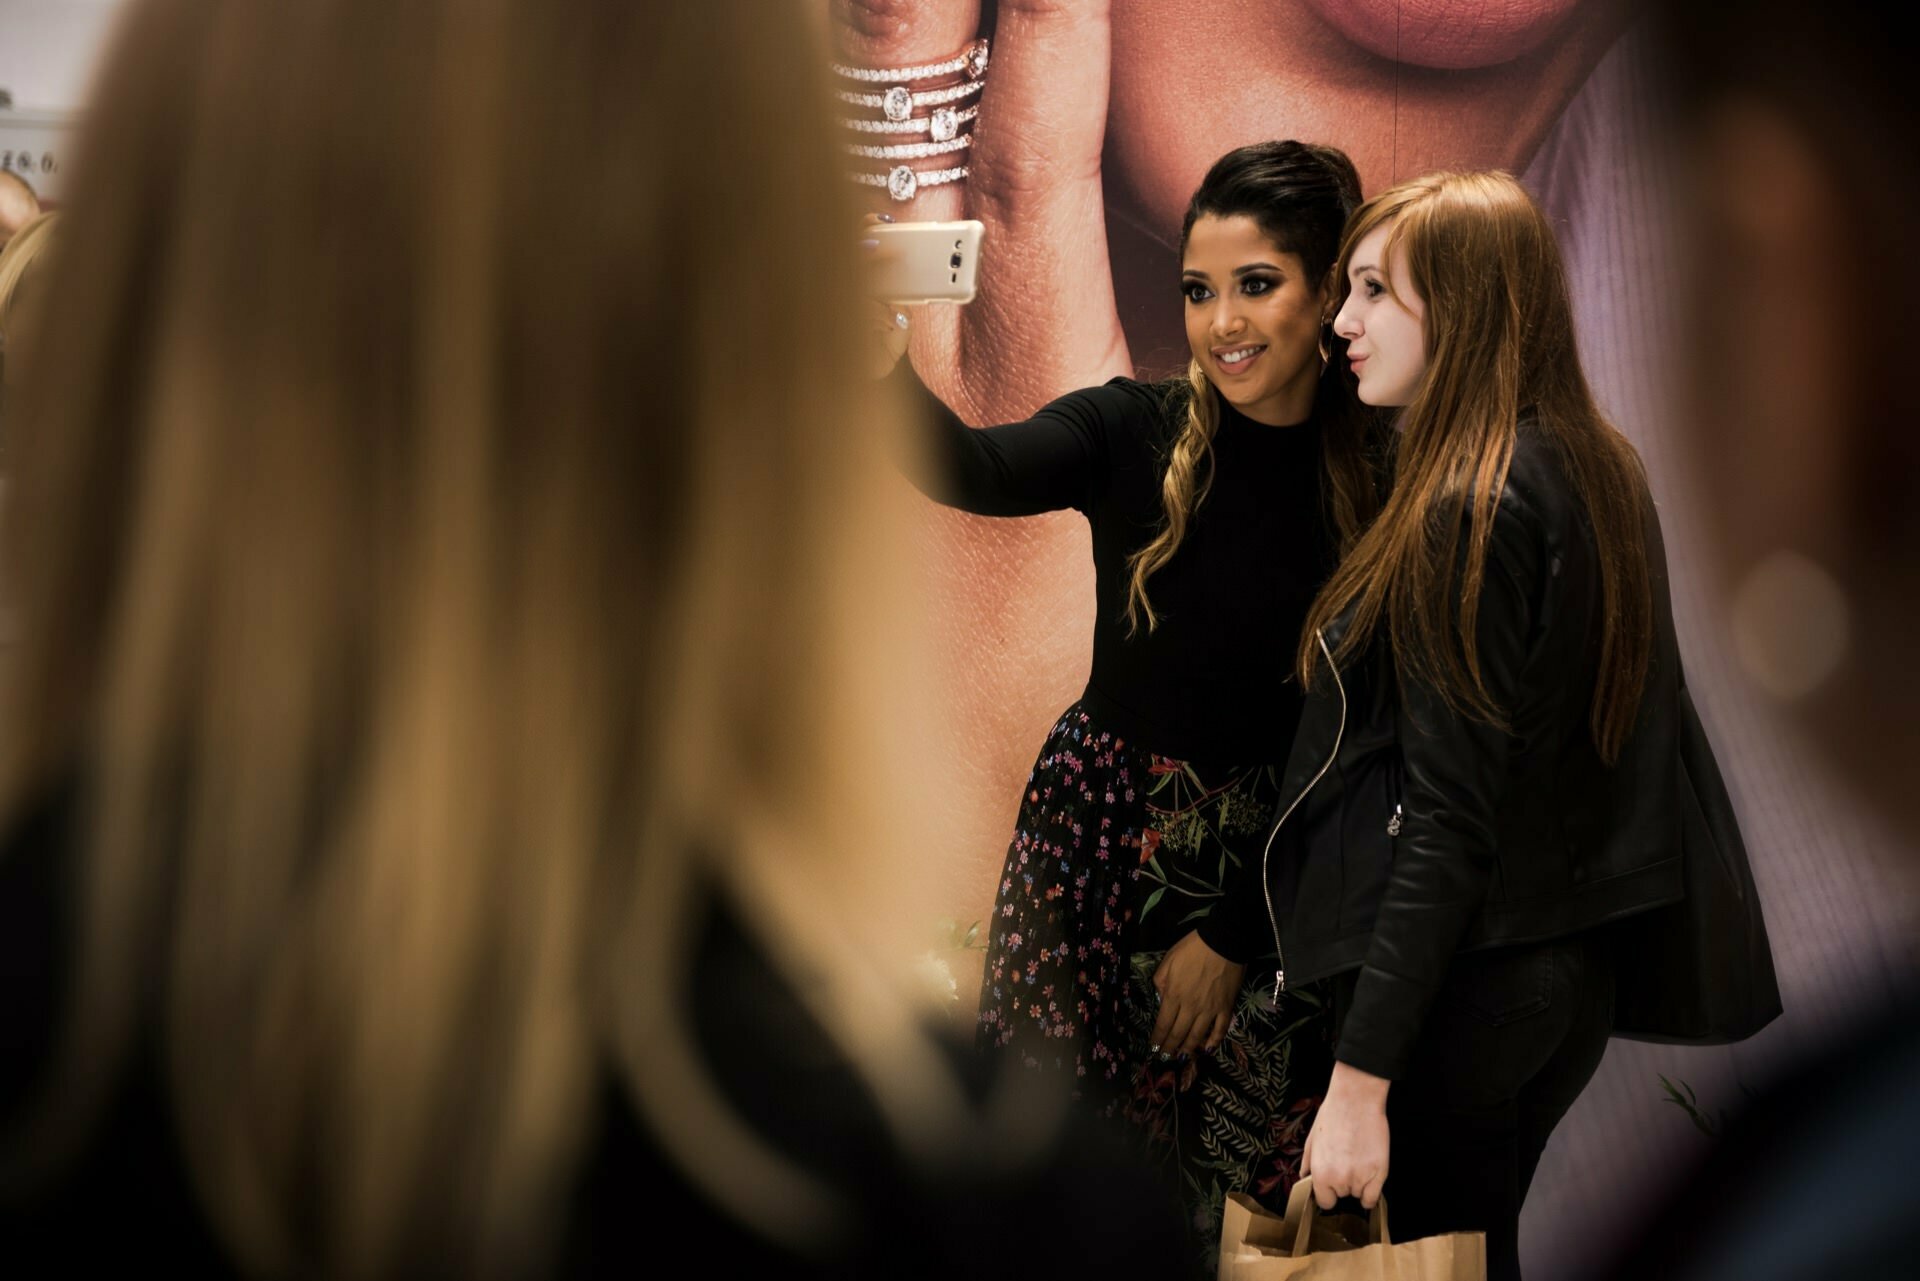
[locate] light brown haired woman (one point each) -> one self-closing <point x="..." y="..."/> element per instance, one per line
<point x="449" y="756"/>
<point x="1489" y="768"/>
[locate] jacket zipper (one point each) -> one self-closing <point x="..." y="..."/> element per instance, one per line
<point x="1266" y="883"/>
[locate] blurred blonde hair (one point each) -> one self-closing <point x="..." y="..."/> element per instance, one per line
<point x="24" y="254"/>
<point x="450" y="538"/>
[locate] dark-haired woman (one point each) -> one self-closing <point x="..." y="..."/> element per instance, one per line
<point x="1487" y="769"/>
<point x="1129" y="946"/>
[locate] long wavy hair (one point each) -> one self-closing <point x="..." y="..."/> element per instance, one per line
<point x="1300" y="194"/>
<point x="1499" y="344"/>
<point x="444" y="565"/>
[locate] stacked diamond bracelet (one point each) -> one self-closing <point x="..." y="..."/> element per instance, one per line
<point x="951" y="107"/>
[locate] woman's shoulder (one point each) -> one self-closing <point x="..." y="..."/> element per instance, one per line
<point x="988" y="1201"/>
<point x="1542" y="495"/>
<point x="1535" y="464"/>
<point x="1134" y="420"/>
<point x="1538" y="496"/>
<point x="1133" y="404"/>
<point x="1529" y="515"/>
<point x="1154" y="411"/>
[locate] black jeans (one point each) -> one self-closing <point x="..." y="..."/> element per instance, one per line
<point x="1514" y="1036"/>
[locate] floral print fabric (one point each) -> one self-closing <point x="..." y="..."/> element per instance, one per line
<point x="1116" y="855"/>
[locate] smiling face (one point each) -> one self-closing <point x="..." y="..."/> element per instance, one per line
<point x="1385" y="327"/>
<point x="1253" y="318"/>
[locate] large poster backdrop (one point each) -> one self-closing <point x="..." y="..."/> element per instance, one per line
<point x="1094" y="126"/>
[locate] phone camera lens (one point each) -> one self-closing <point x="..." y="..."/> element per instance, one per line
<point x="954" y="262"/>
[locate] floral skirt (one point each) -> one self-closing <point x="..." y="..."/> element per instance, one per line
<point x="1117" y="853"/>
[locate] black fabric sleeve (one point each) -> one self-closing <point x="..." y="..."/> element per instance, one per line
<point x="1239" y="927"/>
<point x="1058" y="459"/>
<point x="1456" y="774"/>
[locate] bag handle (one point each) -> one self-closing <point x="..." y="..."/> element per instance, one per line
<point x="1303" y="1209"/>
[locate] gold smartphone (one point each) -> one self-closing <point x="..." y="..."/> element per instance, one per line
<point x="921" y="262"/>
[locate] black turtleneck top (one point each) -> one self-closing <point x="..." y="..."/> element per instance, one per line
<point x="1212" y="681"/>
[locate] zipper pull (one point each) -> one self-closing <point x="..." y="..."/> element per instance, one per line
<point x="1393" y="824"/>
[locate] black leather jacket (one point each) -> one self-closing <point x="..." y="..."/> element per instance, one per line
<point x="1422" y="832"/>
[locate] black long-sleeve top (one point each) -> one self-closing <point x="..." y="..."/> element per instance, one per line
<point x="126" y="1205"/>
<point x="1212" y="682"/>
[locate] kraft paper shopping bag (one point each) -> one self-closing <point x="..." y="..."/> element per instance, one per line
<point x="1258" y="1245"/>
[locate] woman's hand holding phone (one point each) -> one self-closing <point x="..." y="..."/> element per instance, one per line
<point x="1033" y="184"/>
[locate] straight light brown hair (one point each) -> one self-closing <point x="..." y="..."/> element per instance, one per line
<point x="1499" y="344"/>
<point x="451" y="541"/>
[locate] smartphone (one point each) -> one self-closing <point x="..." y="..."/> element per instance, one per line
<point x="925" y="261"/>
